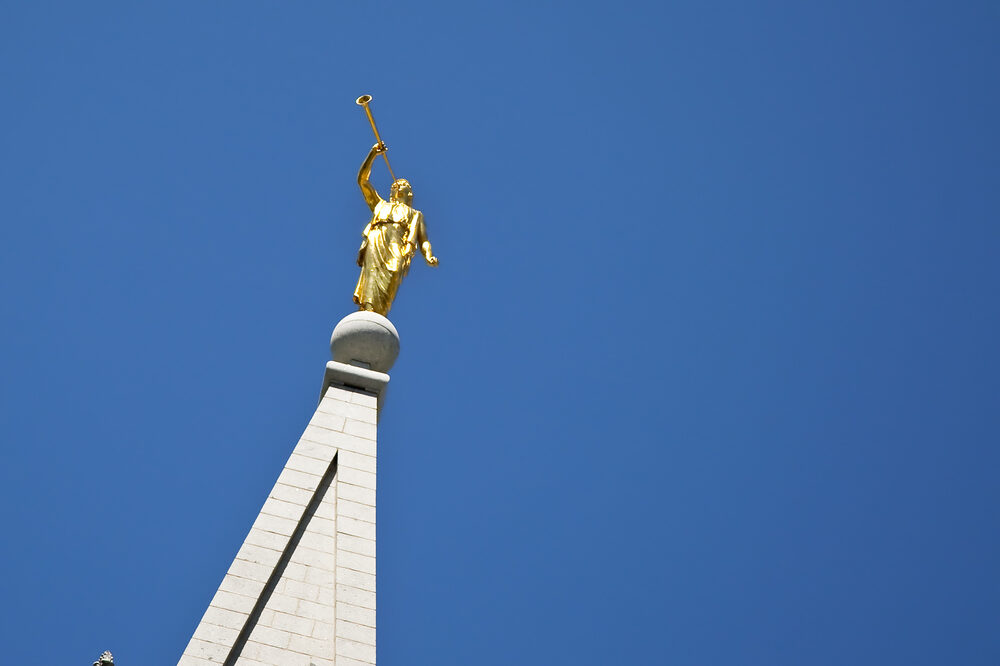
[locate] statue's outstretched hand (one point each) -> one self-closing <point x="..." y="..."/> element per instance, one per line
<point x="425" y="249"/>
<point x="379" y="148"/>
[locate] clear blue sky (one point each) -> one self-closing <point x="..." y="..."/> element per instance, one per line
<point x="708" y="373"/>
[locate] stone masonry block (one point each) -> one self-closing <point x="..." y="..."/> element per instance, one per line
<point x="283" y="509"/>
<point x="291" y="494"/>
<point x="224" y="618"/>
<point x="324" y="631"/>
<point x="267" y="540"/>
<point x="354" y="650"/>
<point x="295" y="571"/>
<point x="365" y="581"/>
<point x="323" y="452"/>
<point x="314" y="611"/>
<point x="269" y="654"/>
<point x="251" y="570"/>
<point x="270" y="636"/>
<point x="294" y="624"/>
<point x="368" y="447"/>
<point x="355" y="632"/>
<point x="323" y="526"/>
<point x="347" y="661"/>
<point x="268" y="523"/>
<point x="191" y="660"/>
<point x="213" y="633"/>
<point x="360" y="428"/>
<point x="335" y="392"/>
<point x="356" y="477"/>
<point x="357" y="461"/>
<point x="328" y="418"/>
<point x="301" y="463"/>
<point x="349" y="411"/>
<point x="364" y="398"/>
<point x="314" y="559"/>
<point x="258" y="555"/>
<point x="321" y="435"/>
<point x="326" y="596"/>
<point x="213" y="652"/>
<point x="346" y="491"/>
<point x="362" y="563"/>
<point x="349" y="509"/>
<point x="307" y="591"/>
<point x="315" y="541"/>
<point x="291" y="477"/>
<point x="233" y="602"/>
<point x="355" y="614"/>
<point x="309" y="645"/>
<point x="283" y="603"/>
<point x="339" y="440"/>
<point x="354" y="527"/>
<point x="353" y="544"/>
<point x="338" y="392"/>
<point x="324" y="578"/>
<point x="244" y="586"/>
<point x="327" y="509"/>
<point x="355" y="597"/>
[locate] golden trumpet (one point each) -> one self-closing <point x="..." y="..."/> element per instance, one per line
<point x="364" y="101"/>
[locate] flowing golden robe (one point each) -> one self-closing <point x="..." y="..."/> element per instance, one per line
<point x="382" y="258"/>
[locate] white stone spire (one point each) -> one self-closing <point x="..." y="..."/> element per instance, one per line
<point x="301" y="590"/>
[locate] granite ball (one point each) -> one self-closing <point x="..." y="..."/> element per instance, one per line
<point x="365" y="339"/>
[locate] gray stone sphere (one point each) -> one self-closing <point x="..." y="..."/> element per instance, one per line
<point x="365" y="339"/>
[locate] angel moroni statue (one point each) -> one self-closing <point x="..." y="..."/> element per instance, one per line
<point x="392" y="235"/>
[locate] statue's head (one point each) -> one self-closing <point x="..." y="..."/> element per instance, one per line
<point x="105" y="659"/>
<point x="401" y="192"/>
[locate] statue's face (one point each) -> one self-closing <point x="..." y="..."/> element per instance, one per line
<point x="401" y="192"/>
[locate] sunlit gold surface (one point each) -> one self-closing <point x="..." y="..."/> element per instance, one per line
<point x="364" y="101"/>
<point x="394" y="232"/>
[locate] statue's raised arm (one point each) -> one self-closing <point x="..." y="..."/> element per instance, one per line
<point x="364" y="176"/>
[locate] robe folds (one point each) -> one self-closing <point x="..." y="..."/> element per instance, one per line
<point x="383" y="264"/>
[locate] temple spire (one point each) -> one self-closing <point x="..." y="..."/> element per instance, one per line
<point x="301" y="589"/>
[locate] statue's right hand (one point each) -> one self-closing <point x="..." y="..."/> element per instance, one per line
<point x="379" y="148"/>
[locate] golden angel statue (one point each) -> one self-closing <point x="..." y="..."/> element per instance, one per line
<point x="393" y="234"/>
